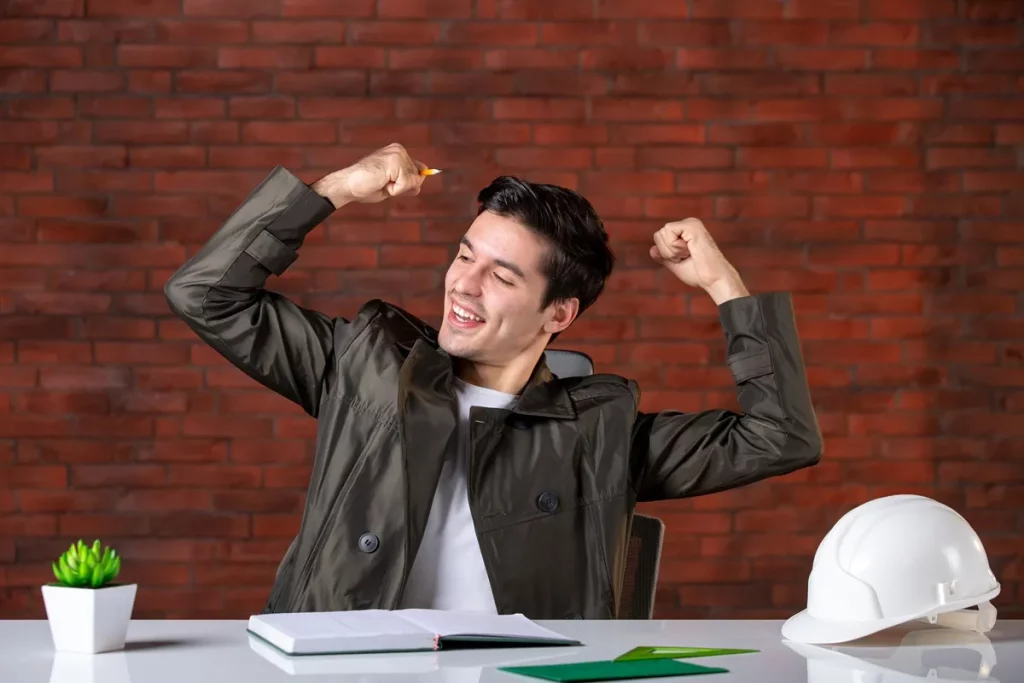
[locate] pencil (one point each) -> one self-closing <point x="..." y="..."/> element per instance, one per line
<point x="430" y="171"/>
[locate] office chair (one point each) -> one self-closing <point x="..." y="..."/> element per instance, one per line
<point x="643" y="554"/>
<point x="640" y="579"/>
<point x="564" y="363"/>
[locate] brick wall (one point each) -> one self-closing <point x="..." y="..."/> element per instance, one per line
<point x="863" y="154"/>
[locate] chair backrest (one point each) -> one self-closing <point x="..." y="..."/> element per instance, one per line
<point x="564" y="363"/>
<point x="640" y="580"/>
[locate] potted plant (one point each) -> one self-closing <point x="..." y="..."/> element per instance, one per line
<point x="86" y="610"/>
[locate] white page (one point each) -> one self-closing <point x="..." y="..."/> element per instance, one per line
<point x="354" y="624"/>
<point x="453" y="623"/>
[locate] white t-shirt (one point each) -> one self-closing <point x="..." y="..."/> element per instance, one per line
<point x="448" y="572"/>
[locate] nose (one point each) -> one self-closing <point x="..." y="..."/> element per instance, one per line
<point x="469" y="282"/>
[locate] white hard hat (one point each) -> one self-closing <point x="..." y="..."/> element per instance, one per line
<point x="892" y="560"/>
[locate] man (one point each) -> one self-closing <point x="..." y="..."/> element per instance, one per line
<point x="453" y="471"/>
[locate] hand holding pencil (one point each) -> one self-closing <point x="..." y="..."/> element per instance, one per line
<point x="388" y="172"/>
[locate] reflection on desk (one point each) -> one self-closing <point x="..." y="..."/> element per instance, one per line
<point x="212" y="651"/>
<point x="935" y="655"/>
<point x="451" y="665"/>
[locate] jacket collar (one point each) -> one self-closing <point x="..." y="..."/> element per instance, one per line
<point x="431" y="369"/>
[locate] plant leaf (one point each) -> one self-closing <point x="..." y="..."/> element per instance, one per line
<point x="97" y="576"/>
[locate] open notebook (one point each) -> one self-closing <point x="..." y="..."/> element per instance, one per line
<point x="362" y="631"/>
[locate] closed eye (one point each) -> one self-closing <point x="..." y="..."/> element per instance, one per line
<point x="503" y="280"/>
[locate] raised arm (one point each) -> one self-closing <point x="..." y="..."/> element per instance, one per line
<point x="220" y="292"/>
<point x="776" y="432"/>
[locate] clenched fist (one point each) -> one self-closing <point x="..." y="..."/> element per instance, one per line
<point x="686" y="248"/>
<point x="388" y="172"/>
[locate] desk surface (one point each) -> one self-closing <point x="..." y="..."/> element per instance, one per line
<point x="217" y="651"/>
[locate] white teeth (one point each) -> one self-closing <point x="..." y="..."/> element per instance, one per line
<point x="463" y="314"/>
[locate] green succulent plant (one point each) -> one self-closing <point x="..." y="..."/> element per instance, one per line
<point x="87" y="566"/>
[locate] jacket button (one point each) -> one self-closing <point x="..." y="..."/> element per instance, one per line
<point x="573" y="615"/>
<point x="520" y="423"/>
<point x="369" y="543"/>
<point x="547" y="501"/>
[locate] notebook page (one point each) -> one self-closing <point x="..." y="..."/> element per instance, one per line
<point x="354" y="624"/>
<point x="376" y="622"/>
<point x="452" y="623"/>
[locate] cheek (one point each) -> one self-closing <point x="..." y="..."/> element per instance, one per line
<point x="449" y="278"/>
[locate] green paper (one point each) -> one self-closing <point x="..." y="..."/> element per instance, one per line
<point x="665" y="652"/>
<point x="612" y="670"/>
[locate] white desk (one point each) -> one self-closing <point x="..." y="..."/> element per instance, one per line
<point x="221" y="652"/>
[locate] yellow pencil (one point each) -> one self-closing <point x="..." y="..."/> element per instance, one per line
<point x="430" y="171"/>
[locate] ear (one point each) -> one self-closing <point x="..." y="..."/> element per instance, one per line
<point x="561" y="313"/>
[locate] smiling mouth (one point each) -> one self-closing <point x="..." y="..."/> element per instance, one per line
<point x="465" y="315"/>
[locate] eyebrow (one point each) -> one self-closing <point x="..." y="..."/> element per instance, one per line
<point x="508" y="265"/>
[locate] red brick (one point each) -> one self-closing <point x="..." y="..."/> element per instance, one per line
<point x="556" y="82"/>
<point x="52" y="108"/>
<point x="594" y="32"/>
<point x="545" y="157"/>
<point x="67" y="57"/>
<point x="400" y="32"/>
<point x="166" y="56"/>
<point x="487" y="34"/>
<point x="712" y="58"/>
<point x="230" y="82"/>
<point x="269" y="107"/>
<point x="787" y="32"/>
<point x="15" y="157"/>
<point x="814" y="59"/>
<point x="524" y="59"/>
<point x="633" y="183"/>
<point x="113" y="281"/>
<point x="769" y="157"/>
<point x="230" y="8"/>
<point x="23" y="81"/>
<point x="421" y="58"/>
<point x="48" y="352"/>
<point x="25" y="30"/>
<point x="123" y="8"/>
<point x="297" y="31"/>
<point x="18" y="181"/>
<point x="35" y="476"/>
<point x="959" y="157"/>
<point x="780" y="84"/>
<point x="190" y="108"/>
<point x="531" y="10"/>
<point x="289" y="477"/>
<point x="149" y="81"/>
<point x="266" y="58"/>
<point x="912" y="9"/>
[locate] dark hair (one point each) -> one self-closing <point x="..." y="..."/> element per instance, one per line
<point x="579" y="261"/>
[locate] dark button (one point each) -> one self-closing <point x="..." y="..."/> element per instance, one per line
<point x="547" y="501"/>
<point x="369" y="543"/>
<point x="520" y="423"/>
<point x="573" y="615"/>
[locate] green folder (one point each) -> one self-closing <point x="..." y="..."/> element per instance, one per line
<point x="665" y="652"/>
<point x="612" y="670"/>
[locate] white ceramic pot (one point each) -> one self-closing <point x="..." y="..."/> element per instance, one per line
<point x="89" y="620"/>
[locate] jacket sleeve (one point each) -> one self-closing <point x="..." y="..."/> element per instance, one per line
<point x="688" y="454"/>
<point x="220" y="293"/>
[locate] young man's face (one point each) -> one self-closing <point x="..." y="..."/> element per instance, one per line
<point x="493" y="294"/>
